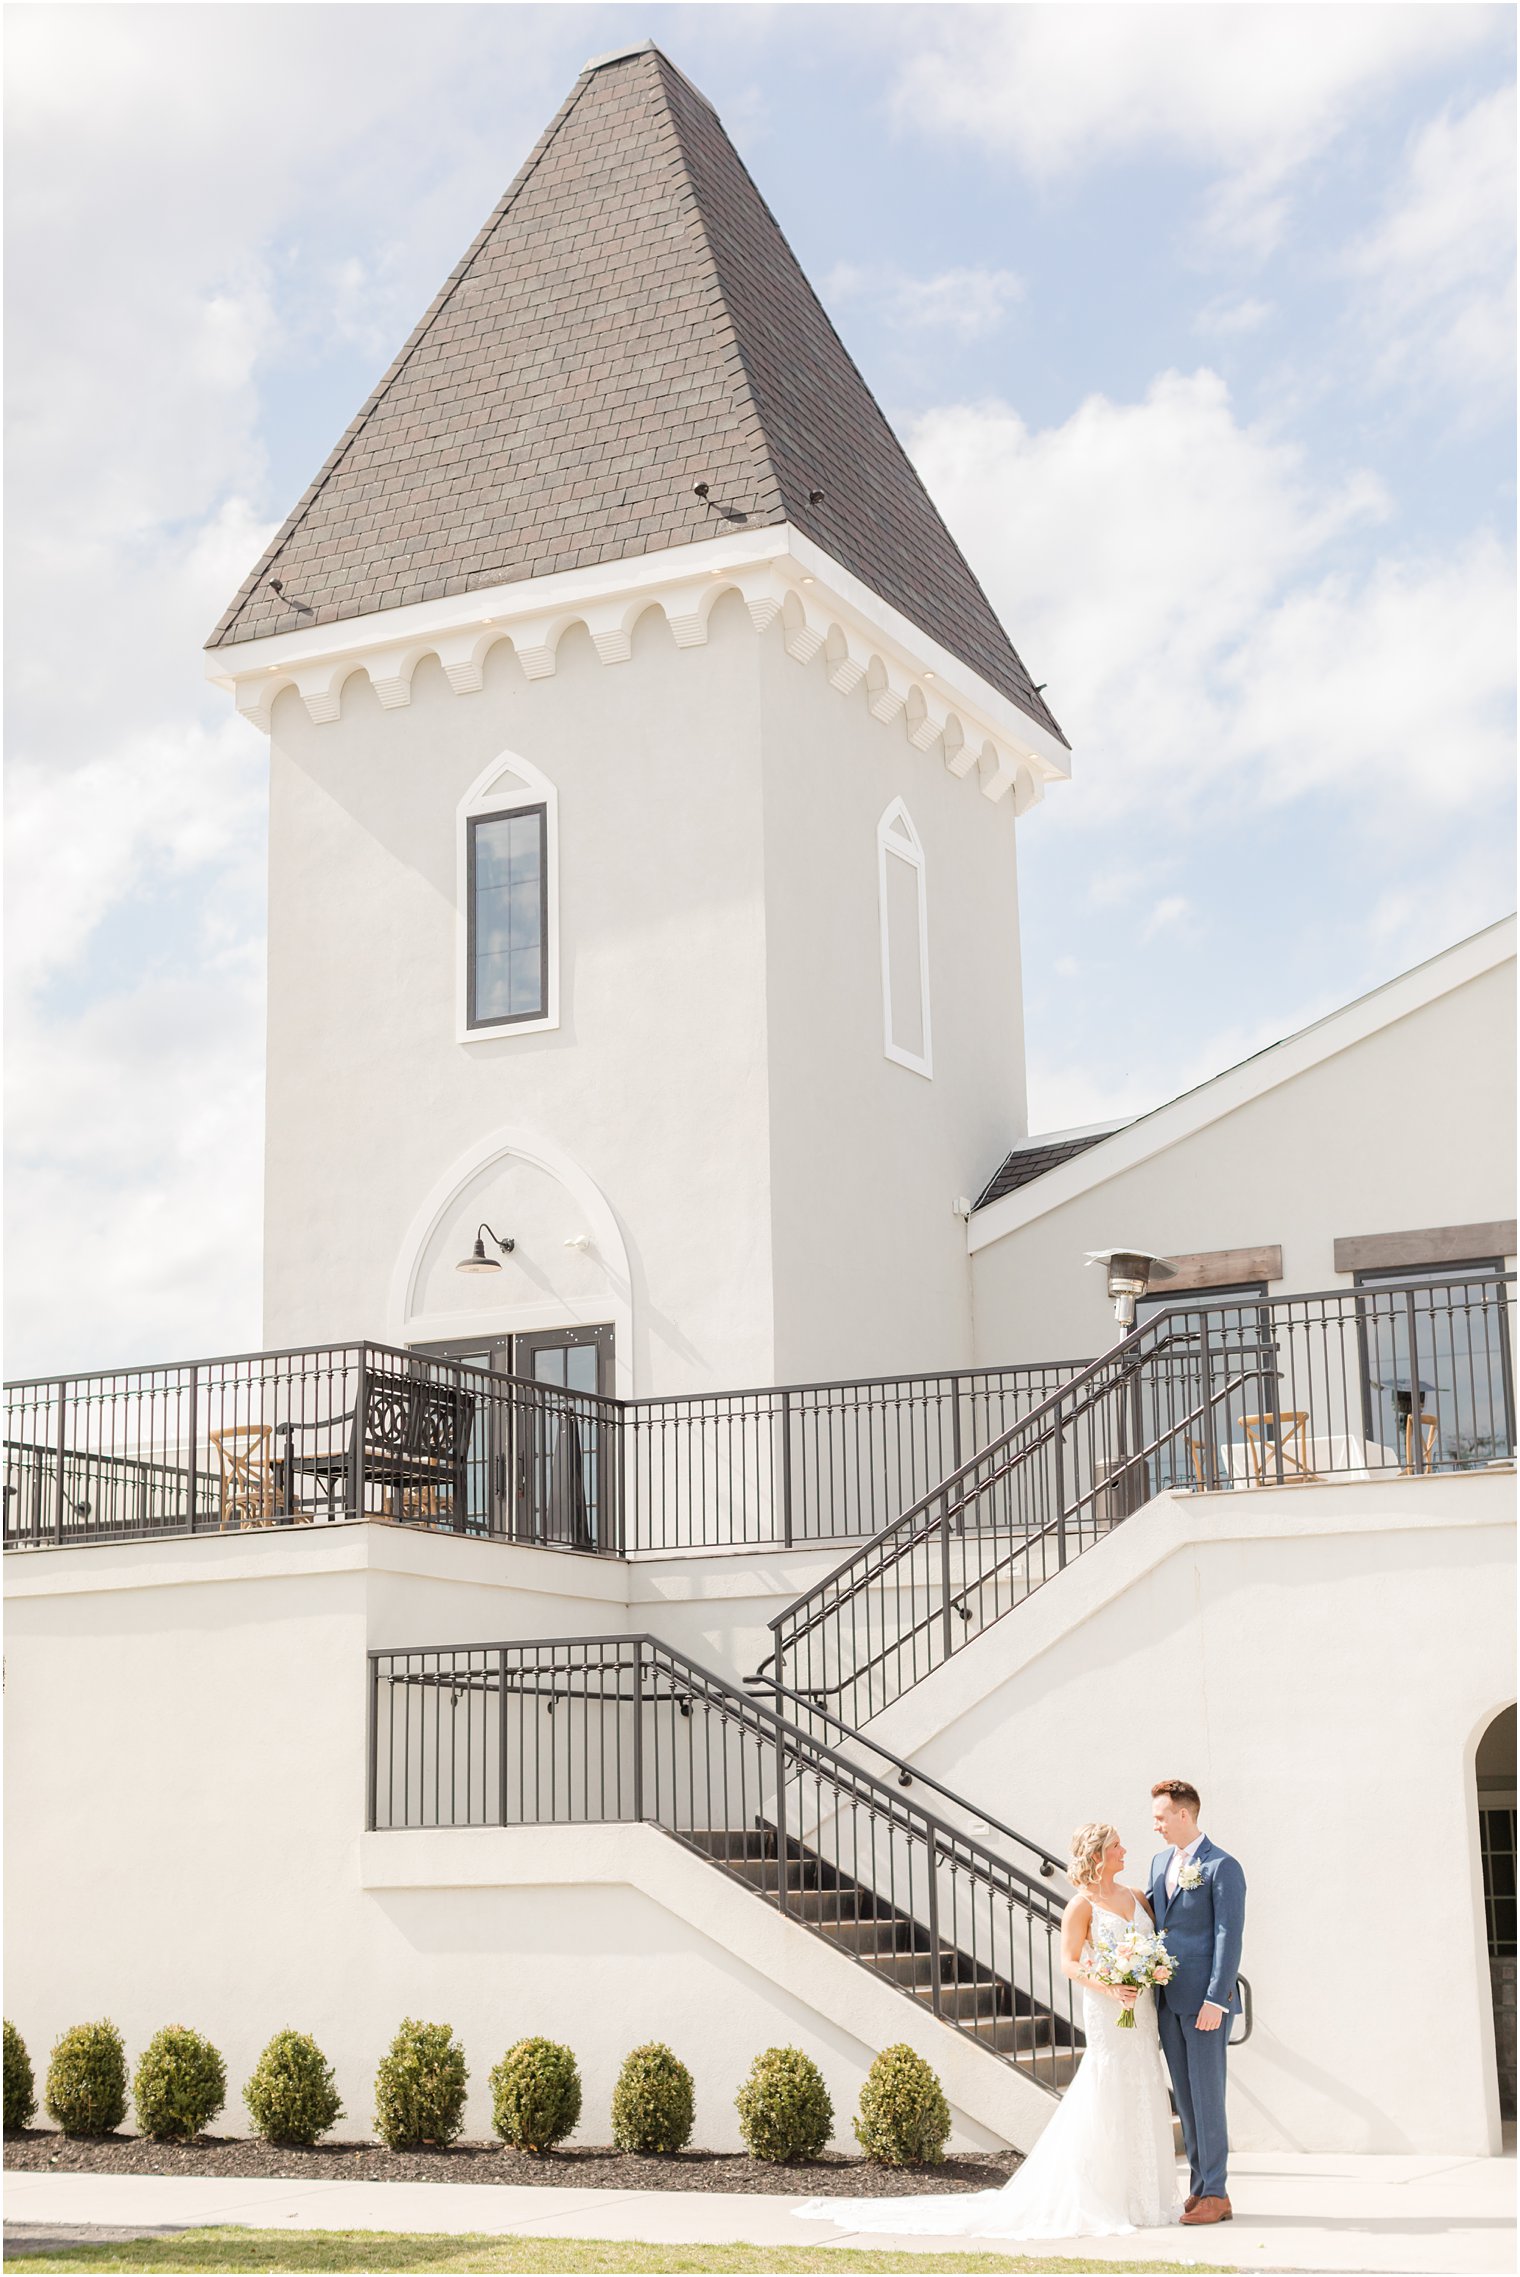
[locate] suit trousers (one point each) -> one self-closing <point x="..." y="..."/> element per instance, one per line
<point x="1196" y="2061"/>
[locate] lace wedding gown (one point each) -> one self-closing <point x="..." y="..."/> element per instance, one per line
<point x="1104" y="2165"/>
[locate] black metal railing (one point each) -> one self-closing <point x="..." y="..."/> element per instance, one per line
<point x="1393" y="1381"/>
<point x="369" y="1430"/>
<point x="577" y="1730"/>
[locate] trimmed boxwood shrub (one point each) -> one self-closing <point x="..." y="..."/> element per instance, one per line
<point x="20" y="2087"/>
<point x="784" y="2108"/>
<point x="904" y="2118"/>
<point x="85" y="2092"/>
<point x="536" y="2095"/>
<point x="653" y="2106"/>
<point x="291" y="2095"/>
<point x="420" y="2088"/>
<point x="179" y="2085"/>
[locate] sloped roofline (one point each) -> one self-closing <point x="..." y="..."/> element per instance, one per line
<point x="343" y="533"/>
<point x="1220" y="1095"/>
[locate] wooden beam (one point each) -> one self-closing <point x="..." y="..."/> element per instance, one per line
<point x="1220" y="1269"/>
<point x="1426" y="1245"/>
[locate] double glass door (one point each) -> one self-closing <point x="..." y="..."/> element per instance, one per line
<point x="540" y="1463"/>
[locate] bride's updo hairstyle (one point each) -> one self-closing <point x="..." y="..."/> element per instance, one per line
<point x="1087" y="1847"/>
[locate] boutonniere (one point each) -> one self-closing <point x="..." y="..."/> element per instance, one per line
<point x="1191" y="1875"/>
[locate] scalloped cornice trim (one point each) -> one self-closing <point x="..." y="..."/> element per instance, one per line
<point x="780" y="575"/>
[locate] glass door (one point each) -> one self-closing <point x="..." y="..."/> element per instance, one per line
<point x="562" y="1448"/>
<point x="485" y="1465"/>
<point x="1436" y="1367"/>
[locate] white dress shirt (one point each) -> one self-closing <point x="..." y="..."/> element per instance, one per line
<point x="1179" y="1859"/>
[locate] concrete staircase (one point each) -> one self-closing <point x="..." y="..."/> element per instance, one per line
<point x="867" y="1927"/>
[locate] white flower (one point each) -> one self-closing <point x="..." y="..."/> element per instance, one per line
<point x="1191" y="1875"/>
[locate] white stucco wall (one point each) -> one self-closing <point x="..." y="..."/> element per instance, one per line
<point x="185" y="1756"/>
<point x="1320" y="1661"/>
<point x="1408" y="1127"/>
<point x="185" y="1735"/>
<point x="662" y="1004"/>
<point x="714" y="1110"/>
<point x="867" y="1155"/>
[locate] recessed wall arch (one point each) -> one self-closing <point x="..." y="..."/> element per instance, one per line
<point x="549" y="1281"/>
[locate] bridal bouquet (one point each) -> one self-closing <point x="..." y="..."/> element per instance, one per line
<point x="1138" y="1957"/>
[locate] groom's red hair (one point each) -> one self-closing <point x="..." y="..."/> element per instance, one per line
<point x="1181" y="1791"/>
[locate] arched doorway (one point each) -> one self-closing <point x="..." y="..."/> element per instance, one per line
<point x="1496" y="1828"/>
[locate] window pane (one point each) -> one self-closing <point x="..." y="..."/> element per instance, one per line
<point x="1437" y="1348"/>
<point x="507" y="977"/>
<point x="903" y="963"/>
<point x="1213" y="1368"/>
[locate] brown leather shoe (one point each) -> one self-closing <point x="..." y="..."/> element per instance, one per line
<point x="1192" y="2200"/>
<point x="1208" y="2210"/>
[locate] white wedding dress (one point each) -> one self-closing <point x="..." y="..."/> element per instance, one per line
<point x="1104" y="2165"/>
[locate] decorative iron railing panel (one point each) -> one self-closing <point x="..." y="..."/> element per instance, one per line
<point x="1388" y="1381"/>
<point x="573" y="1731"/>
<point x="367" y="1430"/>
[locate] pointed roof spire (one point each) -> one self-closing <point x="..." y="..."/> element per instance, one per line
<point x="629" y="323"/>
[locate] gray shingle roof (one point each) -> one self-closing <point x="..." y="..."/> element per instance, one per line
<point x="1033" y="1158"/>
<point x="630" y="321"/>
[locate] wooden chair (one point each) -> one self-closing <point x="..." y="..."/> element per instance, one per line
<point x="250" y="1488"/>
<point x="1430" y="1425"/>
<point x="1266" y="1435"/>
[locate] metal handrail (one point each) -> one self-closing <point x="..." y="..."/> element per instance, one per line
<point x="576" y="1730"/>
<point x="676" y="1472"/>
<point x="411" y="1355"/>
<point x="799" y="1743"/>
<point x="1155" y="1359"/>
<point x="910" y="1773"/>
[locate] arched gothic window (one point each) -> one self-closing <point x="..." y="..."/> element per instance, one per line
<point x="904" y="941"/>
<point x="508" y="903"/>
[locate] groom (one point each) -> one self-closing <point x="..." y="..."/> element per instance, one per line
<point x="1198" y="1896"/>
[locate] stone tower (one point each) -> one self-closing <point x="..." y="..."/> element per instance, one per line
<point x="644" y="765"/>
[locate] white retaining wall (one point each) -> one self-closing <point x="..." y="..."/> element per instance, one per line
<point x="1320" y="1661"/>
<point x="185" y="1788"/>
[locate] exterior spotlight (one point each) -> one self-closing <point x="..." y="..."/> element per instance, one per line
<point x="1130" y="1274"/>
<point x="478" y="1261"/>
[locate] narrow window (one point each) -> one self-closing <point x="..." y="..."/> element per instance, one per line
<point x="508" y="917"/>
<point x="904" y="941"/>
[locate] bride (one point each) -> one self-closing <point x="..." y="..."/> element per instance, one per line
<point x="1105" y="2163"/>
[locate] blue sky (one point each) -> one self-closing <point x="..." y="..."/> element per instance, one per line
<point x="1198" y="321"/>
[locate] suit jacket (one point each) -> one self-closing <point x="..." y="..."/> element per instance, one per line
<point x="1204" y="1929"/>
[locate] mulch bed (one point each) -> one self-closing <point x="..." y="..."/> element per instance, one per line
<point x="39" y="2150"/>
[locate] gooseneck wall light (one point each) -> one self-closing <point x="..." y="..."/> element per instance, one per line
<point x="478" y="1261"/>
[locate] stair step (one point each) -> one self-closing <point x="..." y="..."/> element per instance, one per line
<point x="770" y="1873"/>
<point x="970" y="2001"/>
<point x="873" y="1936"/>
<point x="1011" y="2035"/>
<point x="1050" y="2067"/>
<point x="824" y="1906"/>
<point x="731" y="1842"/>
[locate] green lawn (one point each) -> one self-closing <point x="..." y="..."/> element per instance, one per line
<point x="383" y="2250"/>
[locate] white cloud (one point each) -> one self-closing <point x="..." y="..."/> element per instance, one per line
<point x="1232" y="317"/>
<point x="1168" y="912"/>
<point x="195" y="207"/>
<point x="969" y="303"/>
<point x="1178" y="580"/>
<point x="1436" y="276"/>
<point x="1248" y="93"/>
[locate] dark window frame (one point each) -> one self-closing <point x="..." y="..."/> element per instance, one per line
<point x="1374" y="1277"/>
<point x="473" y="1020"/>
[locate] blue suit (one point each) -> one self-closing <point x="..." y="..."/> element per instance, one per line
<point x="1204" y="1928"/>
